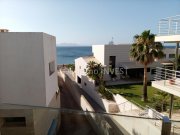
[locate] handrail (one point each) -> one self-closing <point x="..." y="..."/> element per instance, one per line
<point x="142" y="107"/>
<point x="68" y="110"/>
<point x="169" y="25"/>
<point x="123" y="102"/>
<point x="159" y="115"/>
<point x="131" y="104"/>
<point x="169" y="77"/>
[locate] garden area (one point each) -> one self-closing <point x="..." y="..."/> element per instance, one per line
<point x="156" y="99"/>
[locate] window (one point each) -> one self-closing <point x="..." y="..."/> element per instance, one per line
<point x="85" y="84"/>
<point x="14" y="122"/>
<point x="164" y="55"/>
<point x="78" y="79"/>
<point x="51" y="67"/>
<point x="84" y="70"/>
<point x="153" y="71"/>
<point x="79" y="67"/>
<point x="171" y="55"/>
<point x="148" y="69"/>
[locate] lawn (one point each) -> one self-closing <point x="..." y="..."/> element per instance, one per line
<point x="134" y="93"/>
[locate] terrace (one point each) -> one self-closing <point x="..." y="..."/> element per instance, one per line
<point x="167" y="80"/>
<point x="169" y="29"/>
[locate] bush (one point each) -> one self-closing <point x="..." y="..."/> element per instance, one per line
<point x="71" y="66"/>
<point x="159" y="104"/>
<point x="105" y="93"/>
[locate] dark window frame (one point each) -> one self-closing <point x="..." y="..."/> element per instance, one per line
<point x="153" y="71"/>
<point x="172" y="55"/>
<point x="51" y="67"/>
<point x="14" y="122"/>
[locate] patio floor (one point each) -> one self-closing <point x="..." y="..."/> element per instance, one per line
<point x="164" y="85"/>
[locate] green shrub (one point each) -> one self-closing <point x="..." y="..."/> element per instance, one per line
<point x="105" y="93"/>
<point x="159" y="104"/>
<point x="71" y="66"/>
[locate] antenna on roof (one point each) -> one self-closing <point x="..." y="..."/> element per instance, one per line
<point x="111" y="42"/>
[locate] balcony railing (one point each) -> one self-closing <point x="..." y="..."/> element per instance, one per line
<point x="169" y="77"/>
<point x="169" y="26"/>
<point x="57" y="121"/>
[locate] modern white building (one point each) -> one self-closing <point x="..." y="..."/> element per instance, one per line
<point x="165" y="79"/>
<point x="28" y="74"/>
<point x="117" y="56"/>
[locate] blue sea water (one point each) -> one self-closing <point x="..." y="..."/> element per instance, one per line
<point x="66" y="55"/>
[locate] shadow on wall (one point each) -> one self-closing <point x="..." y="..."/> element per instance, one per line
<point x="66" y="87"/>
<point x="102" y="124"/>
<point x="89" y="87"/>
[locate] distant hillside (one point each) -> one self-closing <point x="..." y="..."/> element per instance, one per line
<point x="72" y="44"/>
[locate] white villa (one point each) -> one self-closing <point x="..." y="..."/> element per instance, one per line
<point x="28" y="74"/>
<point x="116" y="56"/>
<point x="165" y="79"/>
<point x="28" y="78"/>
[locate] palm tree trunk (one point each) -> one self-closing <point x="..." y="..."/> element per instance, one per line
<point x="145" y="97"/>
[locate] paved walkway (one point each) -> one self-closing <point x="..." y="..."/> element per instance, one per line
<point x="71" y="123"/>
<point x="93" y="104"/>
<point x="101" y="119"/>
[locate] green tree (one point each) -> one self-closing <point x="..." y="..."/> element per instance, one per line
<point x="94" y="71"/>
<point x="160" y="101"/>
<point x="145" y="50"/>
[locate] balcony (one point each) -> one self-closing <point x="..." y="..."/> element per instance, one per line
<point x="169" y="29"/>
<point x="60" y="121"/>
<point x="167" y="80"/>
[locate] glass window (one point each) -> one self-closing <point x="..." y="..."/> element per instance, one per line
<point x="164" y="55"/>
<point x="153" y="71"/>
<point x="171" y="55"/>
<point x="14" y="122"/>
<point x="51" y="67"/>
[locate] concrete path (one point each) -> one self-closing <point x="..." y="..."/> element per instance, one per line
<point x="72" y="124"/>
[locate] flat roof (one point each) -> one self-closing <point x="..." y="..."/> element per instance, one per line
<point x="90" y="58"/>
<point x="131" y="65"/>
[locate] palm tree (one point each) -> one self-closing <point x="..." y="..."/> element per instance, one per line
<point x="145" y="50"/>
<point x="94" y="71"/>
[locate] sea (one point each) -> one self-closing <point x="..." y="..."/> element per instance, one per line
<point x="67" y="54"/>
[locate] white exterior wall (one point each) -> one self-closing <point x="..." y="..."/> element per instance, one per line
<point x="99" y="53"/>
<point x="168" y="51"/>
<point x="51" y="82"/>
<point x="169" y="38"/>
<point x="102" y="53"/>
<point x="120" y="51"/>
<point x="23" y="69"/>
<point x="80" y="65"/>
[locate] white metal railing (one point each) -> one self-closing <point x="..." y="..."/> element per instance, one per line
<point x="169" y="77"/>
<point x="130" y="106"/>
<point x="169" y="26"/>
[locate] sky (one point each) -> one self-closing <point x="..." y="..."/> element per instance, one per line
<point x="86" y="21"/>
